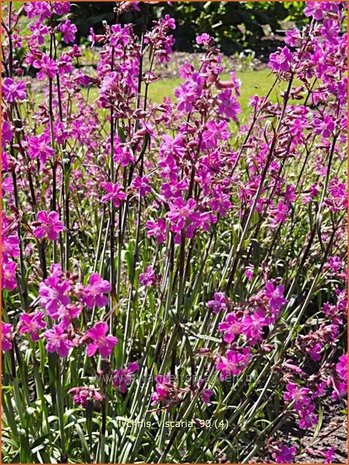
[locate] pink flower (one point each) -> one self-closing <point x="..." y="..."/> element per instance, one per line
<point x="173" y="188"/>
<point x="284" y="454"/>
<point x="42" y="10"/>
<point x="228" y="105"/>
<point x="169" y="169"/>
<point x="181" y="213"/>
<point x="335" y="264"/>
<point x="203" y="39"/>
<point x="6" y="333"/>
<point x="325" y="126"/>
<point x="148" y="278"/>
<point x="249" y="273"/>
<point x="163" y="389"/>
<point x="278" y="214"/>
<point x="219" y="302"/>
<point x="275" y="294"/>
<point x="61" y="8"/>
<point x="329" y="455"/>
<point x="58" y="341"/>
<point x="301" y="398"/>
<point x="10" y="246"/>
<point x="340" y="388"/>
<point x="38" y="33"/>
<point x="141" y="184"/>
<point x="214" y="133"/>
<point x="39" y="148"/>
<point x="319" y="10"/>
<point x="298" y="395"/>
<point x="290" y="193"/>
<point x="157" y="229"/>
<point x="100" y="341"/>
<point x="9" y="280"/>
<point x="123" y="155"/>
<point x="68" y="29"/>
<point x="48" y="225"/>
<point x="189" y="92"/>
<point x="161" y="41"/>
<point x="65" y="67"/>
<point x="13" y="91"/>
<point x="230" y="327"/>
<point x="342" y="367"/>
<point x="54" y="292"/>
<point x="7" y="134"/>
<point x="253" y="324"/>
<point x="123" y="377"/>
<point x="167" y="22"/>
<point x="71" y="311"/>
<point x="233" y="363"/>
<point x="31" y="323"/>
<point x="320" y="390"/>
<point x="281" y="60"/>
<point x="47" y="67"/>
<point x="132" y="5"/>
<point x="314" y="351"/>
<point x="108" y="88"/>
<point x="115" y="194"/>
<point x="206" y="395"/>
<point x="307" y="418"/>
<point x="337" y="199"/>
<point x="93" y="293"/>
<point x="85" y="395"/>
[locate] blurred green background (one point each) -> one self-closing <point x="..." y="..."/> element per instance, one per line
<point x="238" y="27"/>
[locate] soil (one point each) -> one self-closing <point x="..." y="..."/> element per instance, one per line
<point x="333" y="433"/>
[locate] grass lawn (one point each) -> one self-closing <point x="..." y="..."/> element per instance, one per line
<point x="252" y="83"/>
